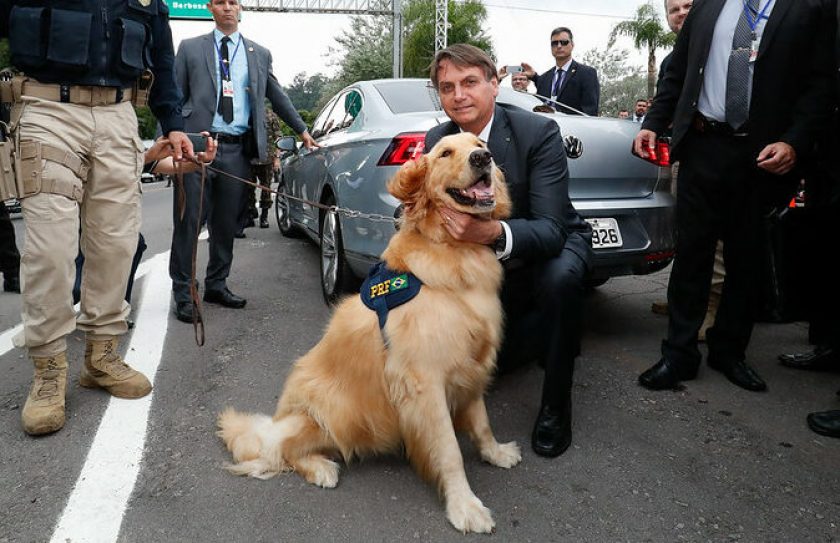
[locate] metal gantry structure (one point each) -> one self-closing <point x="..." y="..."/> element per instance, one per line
<point x="441" y="23"/>
<point x="349" y="7"/>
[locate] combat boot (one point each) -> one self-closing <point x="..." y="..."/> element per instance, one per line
<point x="104" y="368"/>
<point x="43" y="412"/>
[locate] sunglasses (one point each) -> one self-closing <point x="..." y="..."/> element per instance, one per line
<point x="564" y="43"/>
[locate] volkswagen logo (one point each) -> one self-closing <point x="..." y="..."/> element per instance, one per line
<point x="574" y="147"/>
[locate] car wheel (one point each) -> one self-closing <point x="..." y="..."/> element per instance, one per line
<point x="336" y="277"/>
<point x="595" y="282"/>
<point x="282" y="213"/>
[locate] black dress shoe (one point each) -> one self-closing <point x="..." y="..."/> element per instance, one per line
<point x="822" y="358"/>
<point x="664" y="376"/>
<point x="239" y="234"/>
<point x="826" y="423"/>
<point x="552" y="433"/>
<point x="224" y="297"/>
<point x="184" y="312"/>
<point x="11" y="283"/>
<point x="740" y="374"/>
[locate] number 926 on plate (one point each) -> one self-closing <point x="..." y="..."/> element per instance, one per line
<point x="605" y="233"/>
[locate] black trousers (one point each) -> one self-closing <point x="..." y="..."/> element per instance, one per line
<point x="9" y="255"/>
<point x="543" y="305"/>
<point x="722" y="197"/>
<point x="823" y="287"/>
<point x="223" y="200"/>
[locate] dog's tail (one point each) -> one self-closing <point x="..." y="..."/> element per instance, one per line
<point x="255" y="441"/>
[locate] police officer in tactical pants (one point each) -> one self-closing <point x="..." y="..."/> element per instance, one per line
<point x="79" y="163"/>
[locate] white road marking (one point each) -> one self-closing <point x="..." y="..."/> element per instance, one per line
<point x="95" y="509"/>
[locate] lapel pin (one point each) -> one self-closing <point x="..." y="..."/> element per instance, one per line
<point x="250" y="49"/>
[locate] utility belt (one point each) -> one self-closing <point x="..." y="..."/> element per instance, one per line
<point x="22" y="162"/>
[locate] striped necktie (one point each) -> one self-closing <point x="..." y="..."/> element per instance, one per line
<point x="738" y="74"/>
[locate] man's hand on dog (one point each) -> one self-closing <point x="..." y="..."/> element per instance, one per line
<point x="466" y="227"/>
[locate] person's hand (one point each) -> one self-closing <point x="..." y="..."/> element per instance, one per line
<point x="778" y="158"/>
<point x="209" y="154"/>
<point x="502" y="73"/>
<point x="308" y="141"/>
<point x="181" y="145"/>
<point x="528" y="70"/>
<point x="469" y="228"/>
<point x="159" y="150"/>
<point x="644" y="140"/>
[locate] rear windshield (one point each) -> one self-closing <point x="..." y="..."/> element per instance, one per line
<point x="415" y="96"/>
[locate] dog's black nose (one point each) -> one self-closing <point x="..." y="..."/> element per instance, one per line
<point x="480" y="158"/>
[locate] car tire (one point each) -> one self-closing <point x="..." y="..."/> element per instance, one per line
<point x="336" y="277"/>
<point x="595" y="282"/>
<point x="283" y="214"/>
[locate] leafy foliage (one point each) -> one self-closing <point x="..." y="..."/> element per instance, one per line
<point x="647" y="32"/>
<point x="5" y="56"/>
<point x="146" y="122"/>
<point x="621" y="85"/>
<point x="305" y="92"/>
<point x="466" y="25"/>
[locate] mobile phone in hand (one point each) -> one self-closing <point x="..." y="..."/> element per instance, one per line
<point x="199" y="142"/>
<point x="513" y="69"/>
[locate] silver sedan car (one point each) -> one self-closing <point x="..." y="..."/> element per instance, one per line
<point x="372" y="127"/>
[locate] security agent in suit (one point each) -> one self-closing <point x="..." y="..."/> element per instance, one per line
<point x="822" y="190"/>
<point x="569" y="82"/>
<point x="747" y="90"/>
<point x="545" y="246"/>
<point x="225" y="80"/>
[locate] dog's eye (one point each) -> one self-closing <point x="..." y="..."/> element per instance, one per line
<point x="446" y="152"/>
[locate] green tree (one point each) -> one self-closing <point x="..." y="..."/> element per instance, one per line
<point x="305" y="92"/>
<point x="647" y="32"/>
<point x="5" y="56"/>
<point x="621" y="85"/>
<point x="364" y="52"/>
<point x="146" y="122"/>
<point x="467" y="21"/>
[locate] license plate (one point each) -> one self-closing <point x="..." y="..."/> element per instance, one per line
<point x="605" y="233"/>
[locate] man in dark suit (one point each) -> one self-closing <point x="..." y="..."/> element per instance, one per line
<point x="822" y="189"/>
<point x="569" y="83"/>
<point x="545" y="246"/>
<point x="225" y="80"/>
<point x="747" y="91"/>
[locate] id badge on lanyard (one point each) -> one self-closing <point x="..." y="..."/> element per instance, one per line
<point x="755" y="39"/>
<point x="227" y="88"/>
<point x="755" y="43"/>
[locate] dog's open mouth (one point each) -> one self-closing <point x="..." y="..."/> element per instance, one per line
<point x="479" y="194"/>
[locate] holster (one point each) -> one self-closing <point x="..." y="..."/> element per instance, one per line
<point x="142" y="89"/>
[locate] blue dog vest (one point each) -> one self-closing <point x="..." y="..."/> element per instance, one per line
<point x="385" y="289"/>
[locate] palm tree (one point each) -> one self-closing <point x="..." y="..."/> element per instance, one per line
<point x="647" y="31"/>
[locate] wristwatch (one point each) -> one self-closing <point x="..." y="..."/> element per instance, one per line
<point x="501" y="241"/>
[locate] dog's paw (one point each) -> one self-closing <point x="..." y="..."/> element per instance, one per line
<point x="468" y="514"/>
<point x="504" y="455"/>
<point x="320" y="471"/>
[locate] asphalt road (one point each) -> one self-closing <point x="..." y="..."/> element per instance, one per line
<point x="709" y="463"/>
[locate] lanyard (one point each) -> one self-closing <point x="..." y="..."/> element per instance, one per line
<point x="226" y="68"/>
<point x="760" y="15"/>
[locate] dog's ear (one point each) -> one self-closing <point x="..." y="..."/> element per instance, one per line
<point x="408" y="181"/>
<point x="503" y="203"/>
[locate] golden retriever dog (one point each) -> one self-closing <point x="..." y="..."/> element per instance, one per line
<point x="356" y="394"/>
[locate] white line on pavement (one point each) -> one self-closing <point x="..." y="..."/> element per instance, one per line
<point x="95" y="509"/>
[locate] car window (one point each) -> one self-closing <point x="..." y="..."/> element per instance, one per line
<point x="518" y="99"/>
<point x="408" y="96"/>
<point x="319" y="126"/>
<point x="348" y="104"/>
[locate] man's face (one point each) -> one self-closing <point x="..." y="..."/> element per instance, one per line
<point x="623" y="114"/>
<point x="641" y="108"/>
<point x="519" y="82"/>
<point x="561" y="47"/>
<point x="466" y="95"/>
<point x="677" y="10"/>
<point x="225" y="13"/>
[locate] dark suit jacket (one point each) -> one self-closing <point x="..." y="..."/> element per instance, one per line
<point x="580" y="89"/>
<point x="195" y="69"/>
<point x="529" y="150"/>
<point x="791" y="79"/>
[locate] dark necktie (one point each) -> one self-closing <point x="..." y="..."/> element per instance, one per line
<point x="738" y="74"/>
<point x="559" y="83"/>
<point x="225" y="102"/>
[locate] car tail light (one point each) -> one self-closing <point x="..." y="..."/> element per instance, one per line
<point x="404" y="147"/>
<point x="659" y="154"/>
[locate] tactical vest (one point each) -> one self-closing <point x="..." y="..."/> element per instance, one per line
<point x="83" y="42"/>
<point x="384" y="289"/>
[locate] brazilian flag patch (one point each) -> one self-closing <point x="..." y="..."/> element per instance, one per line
<point x="385" y="289"/>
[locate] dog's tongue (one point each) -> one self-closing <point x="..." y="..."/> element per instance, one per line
<point x="480" y="190"/>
